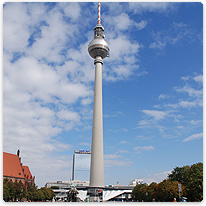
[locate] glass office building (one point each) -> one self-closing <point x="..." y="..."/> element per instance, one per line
<point x="81" y="165"/>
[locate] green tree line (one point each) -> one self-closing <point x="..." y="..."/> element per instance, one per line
<point x="190" y="178"/>
<point x="16" y="191"/>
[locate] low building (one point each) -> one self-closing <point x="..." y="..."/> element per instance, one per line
<point x="136" y="182"/>
<point x="108" y="193"/>
<point x="14" y="170"/>
<point x="61" y="188"/>
<point x="66" y="184"/>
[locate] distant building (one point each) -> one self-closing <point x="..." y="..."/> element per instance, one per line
<point x="136" y="182"/>
<point x="14" y="170"/>
<point x="109" y="193"/>
<point x="81" y="165"/>
<point x="66" y="184"/>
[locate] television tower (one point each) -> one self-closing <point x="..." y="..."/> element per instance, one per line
<point x="98" y="49"/>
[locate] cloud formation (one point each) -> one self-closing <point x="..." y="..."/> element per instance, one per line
<point x="193" y="137"/>
<point x="176" y="107"/>
<point x="48" y="81"/>
<point x="111" y="160"/>
<point x="157" y="115"/>
<point x="48" y="72"/>
<point x="160" y="7"/>
<point x="144" y="148"/>
<point x="174" y="35"/>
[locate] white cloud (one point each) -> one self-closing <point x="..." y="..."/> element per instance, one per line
<point x="50" y="71"/>
<point x="123" y="51"/>
<point x="123" y="22"/>
<point x="193" y="93"/>
<point x="195" y="122"/>
<point x="177" y="108"/>
<point x="53" y="39"/>
<point x="189" y="104"/>
<point x="36" y="92"/>
<point x="86" y="101"/>
<point x="186" y="104"/>
<point x="121" y="46"/>
<point x="156" y="114"/>
<point x="175" y="35"/>
<point x="157" y="177"/>
<point x="190" y="91"/>
<point x="158" y="45"/>
<point x="16" y="31"/>
<point x="114" y="114"/>
<point x="71" y="10"/>
<point x="163" y="96"/>
<point x="119" y="163"/>
<point x="123" y="142"/>
<point x="144" y="122"/>
<point x="141" y="137"/>
<point x="111" y="160"/>
<point x="144" y="148"/>
<point x="141" y="25"/>
<point x="193" y="137"/>
<point x="198" y="78"/>
<point x="85" y="144"/>
<point x="160" y="7"/>
<point x="68" y="115"/>
<point x="185" y="78"/>
<point x="123" y="151"/>
<point x="123" y="61"/>
<point x="111" y="156"/>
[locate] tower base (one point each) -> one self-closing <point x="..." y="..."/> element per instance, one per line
<point x="95" y="194"/>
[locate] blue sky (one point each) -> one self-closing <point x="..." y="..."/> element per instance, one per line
<point x="152" y="87"/>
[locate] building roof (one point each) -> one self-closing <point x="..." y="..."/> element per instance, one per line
<point x="27" y="173"/>
<point x="12" y="166"/>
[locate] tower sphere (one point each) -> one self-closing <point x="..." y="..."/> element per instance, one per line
<point x="98" y="47"/>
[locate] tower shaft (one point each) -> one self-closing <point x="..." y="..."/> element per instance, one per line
<point x="97" y="157"/>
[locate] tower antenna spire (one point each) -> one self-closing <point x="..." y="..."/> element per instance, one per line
<point x="99" y="13"/>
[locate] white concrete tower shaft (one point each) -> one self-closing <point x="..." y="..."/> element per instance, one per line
<point x="98" y="49"/>
<point x="97" y="158"/>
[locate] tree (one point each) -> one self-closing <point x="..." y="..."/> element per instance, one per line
<point x="139" y="192"/>
<point x="8" y="190"/>
<point x="39" y="195"/>
<point x="167" y="190"/>
<point x="195" y="183"/>
<point x="191" y="178"/>
<point x="151" y="192"/>
<point x="31" y="192"/>
<point x="13" y="191"/>
<point x="180" y="174"/>
<point x="48" y="193"/>
<point x="20" y="190"/>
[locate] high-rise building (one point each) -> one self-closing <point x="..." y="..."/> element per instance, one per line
<point x="98" y="49"/>
<point x="81" y="165"/>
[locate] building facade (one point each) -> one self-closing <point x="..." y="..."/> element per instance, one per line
<point x="66" y="184"/>
<point x="81" y="165"/>
<point x="15" y="171"/>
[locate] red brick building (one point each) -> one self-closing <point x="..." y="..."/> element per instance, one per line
<point x="14" y="170"/>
